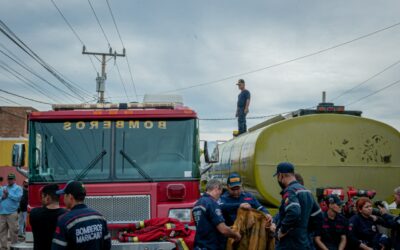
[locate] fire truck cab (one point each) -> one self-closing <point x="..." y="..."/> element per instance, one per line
<point x="137" y="160"/>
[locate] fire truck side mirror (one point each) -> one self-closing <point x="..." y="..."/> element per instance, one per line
<point x="18" y="155"/>
<point x="211" y="152"/>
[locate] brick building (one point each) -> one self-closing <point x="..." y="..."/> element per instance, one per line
<point x="13" y="121"/>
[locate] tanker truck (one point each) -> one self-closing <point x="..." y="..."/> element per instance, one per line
<point x="329" y="146"/>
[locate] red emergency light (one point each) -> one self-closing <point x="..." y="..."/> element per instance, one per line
<point x="176" y="191"/>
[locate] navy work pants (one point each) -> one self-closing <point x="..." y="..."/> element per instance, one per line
<point x="242" y="127"/>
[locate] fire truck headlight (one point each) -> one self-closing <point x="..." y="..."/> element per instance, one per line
<point x="182" y="214"/>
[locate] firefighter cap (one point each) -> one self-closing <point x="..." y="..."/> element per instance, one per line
<point x="75" y="188"/>
<point x="284" y="168"/>
<point x="240" y="81"/>
<point x="11" y="176"/>
<point x="234" y="180"/>
<point x="334" y="199"/>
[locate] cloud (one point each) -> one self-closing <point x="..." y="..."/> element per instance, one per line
<point x="176" y="44"/>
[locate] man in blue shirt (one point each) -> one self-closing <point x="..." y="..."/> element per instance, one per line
<point x="235" y="197"/>
<point x="242" y="106"/>
<point x="10" y="197"/>
<point x="82" y="227"/>
<point x="211" y="230"/>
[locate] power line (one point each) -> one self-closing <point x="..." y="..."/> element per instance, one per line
<point x="21" y="62"/>
<point x="73" y="31"/>
<point x="14" y="38"/>
<point x="9" y="100"/>
<point x="115" y="23"/>
<point x="284" y="62"/>
<point x="375" y="92"/>
<point x="122" y="80"/>
<point x="26" y="98"/>
<point x="74" y="88"/>
<point x="123" y="46"/>
<point x="35" y="74"/>
<point x="370" y="78"/>
<point x="23" y="79"/>
<point x="98" y="21"/>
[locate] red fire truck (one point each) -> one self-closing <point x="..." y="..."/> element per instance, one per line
<point x="137" y="160"/>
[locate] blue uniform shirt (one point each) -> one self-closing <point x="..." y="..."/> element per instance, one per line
<point x="207" y="215"/>
<point x="10" y="204"/>
<point x="81" y="228"/>
<point x="364" y="230"/>
<point x="331" y="231"/>
<point x="242" y="98"/>
<point x="297" y="213"/>
<point x="230" y="205"/>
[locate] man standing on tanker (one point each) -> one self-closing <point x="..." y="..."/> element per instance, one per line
<point x="297" y="213"/>
<point x="242" y="106"/>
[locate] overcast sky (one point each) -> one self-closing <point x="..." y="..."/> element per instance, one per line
<point x="177" y="44"/>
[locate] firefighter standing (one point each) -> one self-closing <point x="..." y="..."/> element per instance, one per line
<point x="82" y="227"/>
<point x="235" y="197"/>
<point x="332" y="234"/>
<point x="297" y="211"/>
<point x="211" y="229"/>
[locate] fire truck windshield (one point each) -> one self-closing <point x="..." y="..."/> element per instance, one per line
<point x="113" y="150"/>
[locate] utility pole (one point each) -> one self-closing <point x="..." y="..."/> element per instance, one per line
<point x="100" y="80"/>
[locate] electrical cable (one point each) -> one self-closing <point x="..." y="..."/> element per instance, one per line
<point x="33" y="55"/>
<point x="73" y="31"/>
<point x="50" y="69"/>
<point x="122" y="80"/>
<point x="24" y="80"/>
<point x="21" y="62"/>
<point x="9" y="100"/>
<point x="284" y="62"/>
<point x="375" y="92"/>
<point x="370" y="78"/>
<point x="37" y="75"/>
<point x="26" y="98"/>
<point x="98" y="21"/>
<point x="123" y="46"/>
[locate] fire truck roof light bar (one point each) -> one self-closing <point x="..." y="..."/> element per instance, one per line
<point x="158" y="105"/>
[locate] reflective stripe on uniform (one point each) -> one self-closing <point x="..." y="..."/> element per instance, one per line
<point x="303" y="191"/>
<point x="260" y="207"/>
<point x="91" y="217"/>
<point x="107" y="236"/>
<point x="292" y="204"/>
<point x="201" y="207"/>
<point x="60" y="242"/>
<point x="316" y="212"/>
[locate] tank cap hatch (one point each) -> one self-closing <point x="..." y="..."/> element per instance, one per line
<point x="326" y="108"/>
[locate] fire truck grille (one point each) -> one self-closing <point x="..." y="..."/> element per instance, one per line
<point x="121" y="209"/>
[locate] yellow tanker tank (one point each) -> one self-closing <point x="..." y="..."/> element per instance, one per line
<point x="328" y="150"/>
